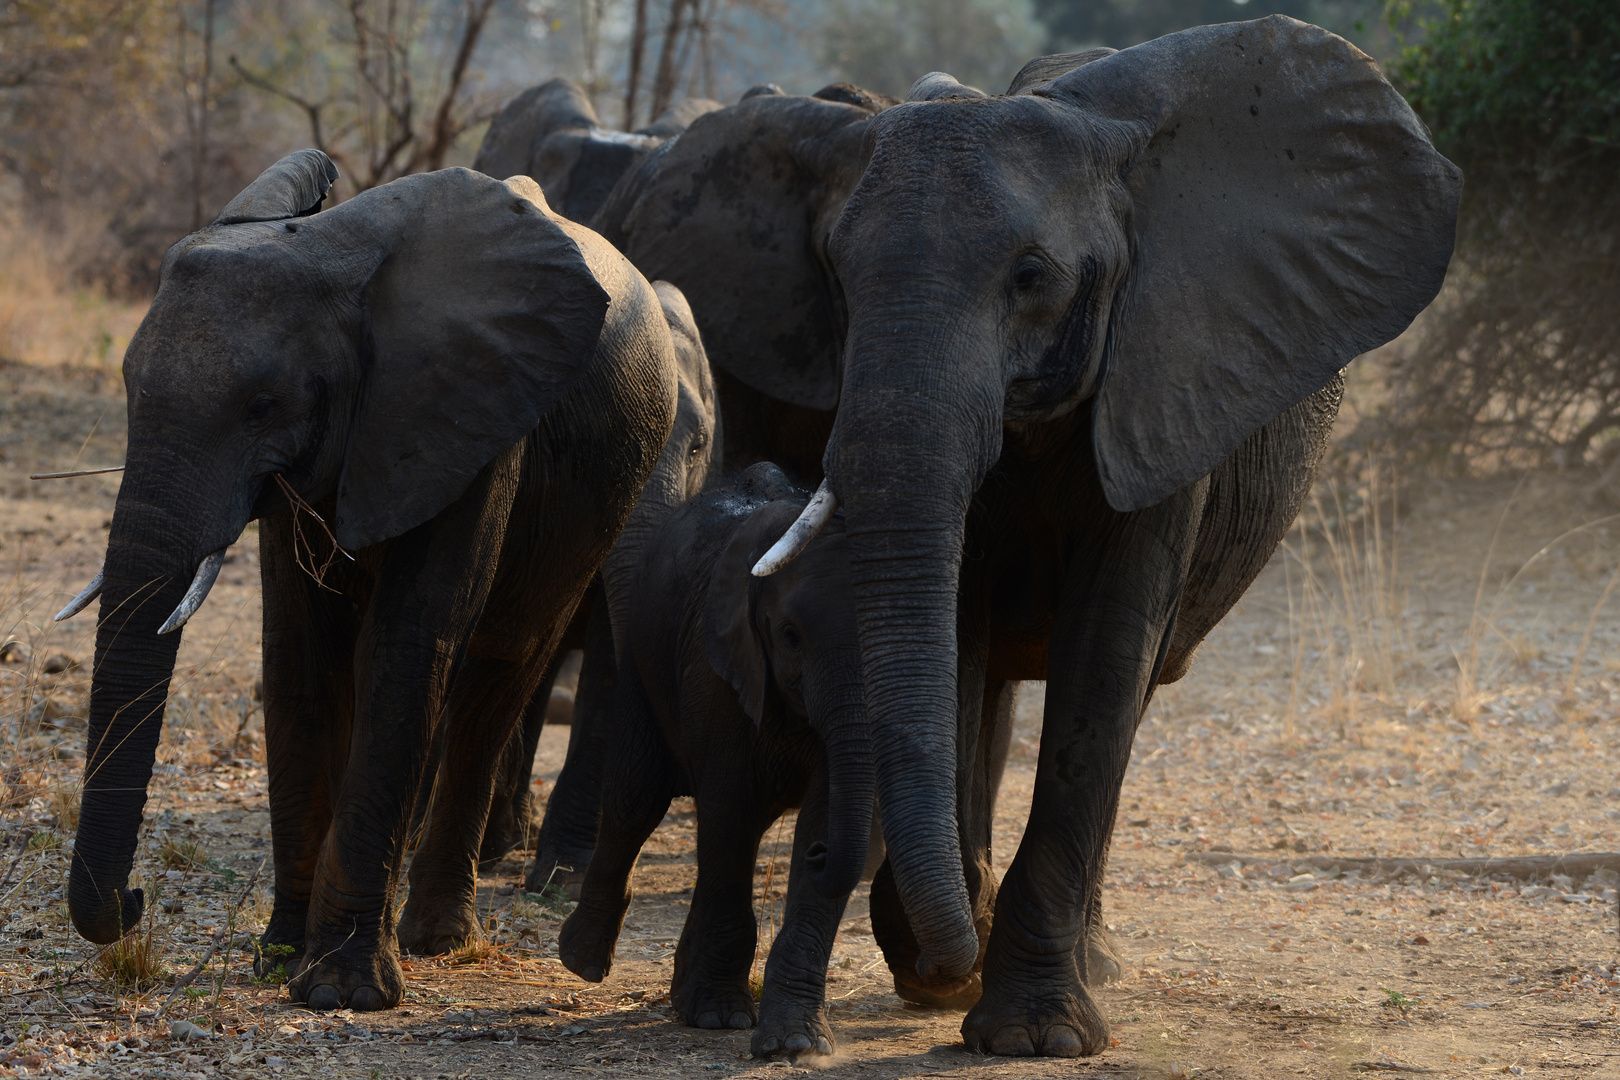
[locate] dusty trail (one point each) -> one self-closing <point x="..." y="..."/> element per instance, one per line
<point x="1374" y="709"/>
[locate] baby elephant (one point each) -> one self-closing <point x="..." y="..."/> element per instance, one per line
<point x="744" y="692"/>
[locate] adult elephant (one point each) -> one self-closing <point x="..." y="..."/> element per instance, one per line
<point x="1083" y="341"/>
<point x="472" y="391"/>
<point x="551" y="132"/>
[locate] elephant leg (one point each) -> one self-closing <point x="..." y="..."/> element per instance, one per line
<point x="637" y="787"/>
<point x="308" y="709"/>
<point x="574" y="807"/>
<point x="432" y="584"/>
<point x="984" y="737"/>
<point x="712" y="960"/>
<point x="1103" y="962"/>
<point x="1113" y="623"/>
<point x="511" y="825"/>
<point x="793" y="1006"/>
<point x="486" y="702"/>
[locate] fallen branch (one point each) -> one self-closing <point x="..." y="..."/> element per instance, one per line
<point x="1578" y="865"/>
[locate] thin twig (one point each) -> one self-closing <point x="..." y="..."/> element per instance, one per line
<point x="75" y="472"/>
<point x="220" y="940"/>
<point x="301" y="544"/>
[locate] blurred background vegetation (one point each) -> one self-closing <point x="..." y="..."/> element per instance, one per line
<point x="126" y="123"/>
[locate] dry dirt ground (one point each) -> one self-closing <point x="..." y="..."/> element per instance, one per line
<point x="1396" y="684"/>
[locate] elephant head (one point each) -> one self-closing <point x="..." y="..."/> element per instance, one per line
<point x="1185" y="238"/>
<point x="374" y="357"/>
<point x="551" y="132"/>
<point x="789" y="639"/>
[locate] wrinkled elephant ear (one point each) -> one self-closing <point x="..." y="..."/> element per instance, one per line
<point x="293" y="187"/>
<point x="1289" y="214"/>
<point x="735" y="650"/>
<point x="482" y="314"/>
<point x="767" y="176"/>
<point x="1034" y="76"/>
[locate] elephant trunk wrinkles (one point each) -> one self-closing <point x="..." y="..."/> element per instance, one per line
<point x="907" y="452"/>
<point x="146" y="574"/>
<point x="840" y="717"/>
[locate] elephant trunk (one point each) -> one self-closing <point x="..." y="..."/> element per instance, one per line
<point x="144" y="579"/>
<point x="907" y="453"/>
<point x="839" y="714"/>
<point x="666" y="489"/>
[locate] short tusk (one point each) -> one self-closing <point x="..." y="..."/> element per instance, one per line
<point x="82" y="601"/>
<point x="206" y="573"/>
<point x="819" y="511"/>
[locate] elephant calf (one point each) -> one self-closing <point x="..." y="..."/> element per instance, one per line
<point x="745" y="693"/>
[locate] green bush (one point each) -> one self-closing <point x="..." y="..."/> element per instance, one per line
<point x="1521" y="362"/>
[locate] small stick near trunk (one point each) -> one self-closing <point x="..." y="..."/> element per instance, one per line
<point x="75" y="472"/>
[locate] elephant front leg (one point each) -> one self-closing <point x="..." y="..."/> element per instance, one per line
<point x="308" y="708"/>
<point x="432" y="583"/>
<point x="793" y="1006"/>
<point x="1112" y="627"/>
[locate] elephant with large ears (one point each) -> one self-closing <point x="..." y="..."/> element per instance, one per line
<point x="1083" y="341"/>
<point x="471" y="391"/>
<point x="744" y="693"/>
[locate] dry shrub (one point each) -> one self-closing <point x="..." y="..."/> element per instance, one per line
<point x="1347" y="610"/>
<point x="135" y="961"/>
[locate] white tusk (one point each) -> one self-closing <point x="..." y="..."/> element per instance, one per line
<point x="82" y="601"/>
<point x="206" y="573"/>
<point x="817" y="513"/>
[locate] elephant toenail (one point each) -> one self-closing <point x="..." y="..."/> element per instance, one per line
<point x="707" y="1020"/>
<point x="798" y="1043"/>
<point x="592" y="974"/>
<point x="1062" y="1041"/>
<point x="367" y="999"/>
<point x="770" y="1045"/>
<point x="1012" y="1042"/>
<point x="740" y="1020"/>
<point x="974" y="1042"/>
<point x="824" y="1046"/>
<point x="324" y="998"/>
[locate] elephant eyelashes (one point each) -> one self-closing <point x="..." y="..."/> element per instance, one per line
<point x="260" y="408"/>
<point x="1027" y="275"/>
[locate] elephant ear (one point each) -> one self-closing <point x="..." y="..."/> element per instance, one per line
<point x="293" y="187"/>
<point x="1034" y="75"/>
<point x="1289" y="213"/>
<point x="941" y="86"/>
<point x="482" y="314"/>
<point x="766" y="176"/>
<point x="735" y="649"/>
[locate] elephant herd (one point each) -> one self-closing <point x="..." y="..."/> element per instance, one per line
<point x="818" y="422"/>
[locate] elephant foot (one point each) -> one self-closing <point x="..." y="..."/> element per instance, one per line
<point x="281" y="946"/>
<point x="347" y="976"/>
<point x="428" y="929"/>
<point x="716" y="1007"/>
<point x="1103" y="962"/>
<point x="557" y="873"/>
<point x="792" y="1029"/>
<point x="1054" y="1022"/>
<point x="585" y="942"/>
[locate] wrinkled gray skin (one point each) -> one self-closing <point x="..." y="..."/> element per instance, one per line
<point x="1083" y="343"/>
<point x="441" y="867"/>
<point x="744" y="693"/>
<point x="550" y="132"/>
<point x="471" y="391"/>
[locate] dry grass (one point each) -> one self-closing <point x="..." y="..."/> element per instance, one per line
<point x="135" y="962"/>
<point x="44" y="319"/>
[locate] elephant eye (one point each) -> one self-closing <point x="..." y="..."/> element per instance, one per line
<point x="260" y="407"/>
<point x="790" y="634"/>
<point x="1027" y="274"/>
